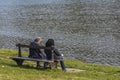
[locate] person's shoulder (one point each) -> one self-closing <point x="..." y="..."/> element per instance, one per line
<point x="32" y="43"/>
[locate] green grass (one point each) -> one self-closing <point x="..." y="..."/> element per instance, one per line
<point x="10" y="71"/>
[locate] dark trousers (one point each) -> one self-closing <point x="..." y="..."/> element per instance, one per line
<point x="62" y="65"/>
<point x="38" y="63"/>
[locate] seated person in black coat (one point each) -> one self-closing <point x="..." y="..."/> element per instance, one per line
<point x="58" y="55"/>
<point x="36" y="53"/>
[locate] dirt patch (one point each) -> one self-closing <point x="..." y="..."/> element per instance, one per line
<point x="73" y="70"/>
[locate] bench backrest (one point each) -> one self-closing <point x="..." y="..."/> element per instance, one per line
<point x="36" y="47"/>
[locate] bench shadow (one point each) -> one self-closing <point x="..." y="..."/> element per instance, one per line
<point x="25" y="66"/>
<point x="118" y="71"/>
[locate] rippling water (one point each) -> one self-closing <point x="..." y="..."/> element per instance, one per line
<point x="83" y="29"/>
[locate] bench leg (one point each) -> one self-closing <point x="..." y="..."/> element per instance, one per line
<point x="51" y="65"/>
<point x="56" y="64"/>
<point x="18" y="61"/>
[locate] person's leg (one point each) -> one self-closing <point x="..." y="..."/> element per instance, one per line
<point x="45" y="65"/>
<point x="38" y="64"/>
<point x="63" y="65"/>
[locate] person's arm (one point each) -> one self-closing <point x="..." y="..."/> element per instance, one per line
<point x="57" y="52"/>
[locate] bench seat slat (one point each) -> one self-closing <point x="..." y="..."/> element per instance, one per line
<point x="31" y="59"/>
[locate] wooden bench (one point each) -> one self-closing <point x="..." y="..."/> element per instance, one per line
<point x="20" y="59"/>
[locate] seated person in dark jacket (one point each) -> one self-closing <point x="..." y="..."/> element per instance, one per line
<point x="36" y="53"/>
<point x="58" y="55"/>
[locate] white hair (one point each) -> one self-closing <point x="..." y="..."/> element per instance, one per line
<point x="38" y="38"/>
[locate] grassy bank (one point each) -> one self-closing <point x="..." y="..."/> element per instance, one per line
<point x="10" y="71"/>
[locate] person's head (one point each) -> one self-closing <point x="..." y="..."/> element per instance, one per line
<point x="50" y="43"/>
<point x="38" y="40"/>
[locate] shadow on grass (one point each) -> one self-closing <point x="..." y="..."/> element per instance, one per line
<point x="24" y="66"/>
<point x="118" y="71"/>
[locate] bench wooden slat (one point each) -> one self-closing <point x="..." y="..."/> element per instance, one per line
<point x="31" y="59"/>
<point x="28" y="46"/>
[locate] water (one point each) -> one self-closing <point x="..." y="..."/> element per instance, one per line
<point x="83" y="29"/>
